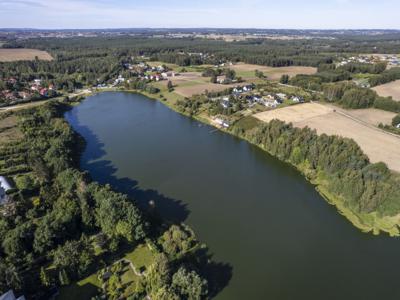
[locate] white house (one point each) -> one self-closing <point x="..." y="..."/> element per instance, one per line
<point x="281" y="95"/>
<point x="238" y="90"/>
<point x="247" y="88"/>
<point x="297" y="99"/>
<point x="221" y="122"/>
<point x="4" y="187"/>
<point x="398" y="126"/>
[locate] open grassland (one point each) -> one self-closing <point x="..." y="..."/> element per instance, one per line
<point x="192" y="83"/>
<point x="196" y="89"/>
<point x="391" y="89"/>
<point x="9" y="131"/>
<point x="247" y="71"/>
<point x="377" y="144"/>
<point x="23" y="54"/>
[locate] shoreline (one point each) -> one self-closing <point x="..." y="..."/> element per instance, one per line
<point x="366" y="223"/>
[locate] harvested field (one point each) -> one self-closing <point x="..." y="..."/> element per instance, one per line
<point x="247" y="71"/>
<point x="372" y="116"/>
<point x="23" y="54"/>
<point x="391" y="89"/>
<point x="377" y="144"/>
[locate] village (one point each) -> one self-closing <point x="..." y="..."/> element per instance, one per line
<point x="16" y="92"/>
<point x="392" y="60"/>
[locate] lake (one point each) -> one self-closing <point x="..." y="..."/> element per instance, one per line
<point x="273" y="235"/>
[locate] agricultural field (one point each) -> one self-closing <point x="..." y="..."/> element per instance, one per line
<point x="391" y="89"/>
<point x="7" y="55"/>
<point x="247" y="71"/>
<point x="357" y="125"/>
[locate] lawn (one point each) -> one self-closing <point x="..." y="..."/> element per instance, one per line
<point x="81" y="290"/>
<point x="141" y="257"/>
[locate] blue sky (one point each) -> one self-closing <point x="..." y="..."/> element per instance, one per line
<point x="300" y="14"/>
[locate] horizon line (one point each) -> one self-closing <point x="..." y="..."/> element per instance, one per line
<point x="204" y="28"/>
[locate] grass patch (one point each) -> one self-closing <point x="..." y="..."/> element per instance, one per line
<point x="142" y="257"/>
<point x="81" y="290"/>
<point x="247" y="123"/>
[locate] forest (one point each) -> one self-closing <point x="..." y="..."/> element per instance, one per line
<point x="59" y="226"/>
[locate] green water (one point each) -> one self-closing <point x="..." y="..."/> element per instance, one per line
<point x="274" y="236"/>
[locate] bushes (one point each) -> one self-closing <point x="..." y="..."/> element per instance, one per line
<point x="351" y="96"/>
<point x="396" y="120"/>
<point x="387" y="76"/>
<point x="387" y="104"/>
<point x="358" y="98"/>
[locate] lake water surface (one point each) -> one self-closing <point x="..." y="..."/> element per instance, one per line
<point x="274" y="235"/>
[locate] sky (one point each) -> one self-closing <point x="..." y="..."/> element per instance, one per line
<point x="274" y="14"/>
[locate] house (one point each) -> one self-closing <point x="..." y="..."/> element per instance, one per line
<point x="271" y="101"/>
<point x="238" y="90"/>
<point x="24" y="95"/>
<point x="225" y="102"/>
<point x="44" y="92"/>
<point x="247" y="88"/>
<point x="10" y="296"/>
<point x="165" y="75"/>
<point x="221" y="122"/>
<point x="297" y="99"/>
<point x="398" y="126"/>
<point x="119" y="80"/>
<point x="281" y="96"/>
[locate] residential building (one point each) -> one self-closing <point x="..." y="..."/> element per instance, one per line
<point x="4" y="187"/>
<point x="10" y="296"/>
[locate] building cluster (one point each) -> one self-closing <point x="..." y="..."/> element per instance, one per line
<point x="143" y="71"/>
<point x="246" y="94"/>
<point x="25" y="92"/>
<point x="391" y="60"/>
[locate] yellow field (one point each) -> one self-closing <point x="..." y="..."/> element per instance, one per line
<point x="391" y="89"/>
<point x="357" y="125"/>
<point x="247" y="71"/>
<point x="23" y="54"/>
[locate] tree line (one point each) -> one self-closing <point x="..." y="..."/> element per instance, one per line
<point x="337" y="162"/>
